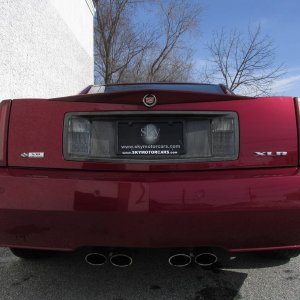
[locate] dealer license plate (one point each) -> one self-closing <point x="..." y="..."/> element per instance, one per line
<point x="153" y="138"/>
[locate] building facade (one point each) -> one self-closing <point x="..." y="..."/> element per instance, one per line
<point x="46" y="47"/>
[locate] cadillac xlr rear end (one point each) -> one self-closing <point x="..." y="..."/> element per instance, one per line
<point x="189" y="166"/>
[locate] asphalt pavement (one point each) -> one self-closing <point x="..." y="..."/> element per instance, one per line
<point x="67" y="276"/>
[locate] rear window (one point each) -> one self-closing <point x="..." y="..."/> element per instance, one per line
<point x="202" y="88"/>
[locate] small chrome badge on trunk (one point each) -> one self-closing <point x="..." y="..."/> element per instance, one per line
<point x="269" y="153"/>
<point x="149" y="100"/>
<point x="33" y="155"/>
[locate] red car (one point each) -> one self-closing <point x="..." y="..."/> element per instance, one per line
<point x="189" y="167"/>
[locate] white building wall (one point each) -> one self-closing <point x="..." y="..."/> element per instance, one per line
<point x="46" y="47"/>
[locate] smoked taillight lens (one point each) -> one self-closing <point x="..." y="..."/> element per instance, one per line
<point x="223" y="136"/>
<point x="4" y="115"/>
<point x="79" y="136"/>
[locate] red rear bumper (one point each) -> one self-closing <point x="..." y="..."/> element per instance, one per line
<point x="235" y="210"/>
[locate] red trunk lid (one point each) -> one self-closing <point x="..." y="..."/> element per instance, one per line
<point x="267" y="127"/>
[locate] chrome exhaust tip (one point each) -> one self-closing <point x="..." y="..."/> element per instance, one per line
<point x="205" y="259"/>
<point x="95" y="259"/>
<point x="121" y="260"/>
<point x="180" y="260"/>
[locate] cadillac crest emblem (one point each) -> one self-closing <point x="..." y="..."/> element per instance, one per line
<point x="149" y="100"/>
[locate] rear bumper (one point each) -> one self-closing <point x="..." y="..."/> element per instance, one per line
<point x="235" y="210"/>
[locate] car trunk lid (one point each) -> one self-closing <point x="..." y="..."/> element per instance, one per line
<point x="265" y="133"/>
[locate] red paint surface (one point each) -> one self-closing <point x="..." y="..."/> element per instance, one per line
<point x="229" y="209"/>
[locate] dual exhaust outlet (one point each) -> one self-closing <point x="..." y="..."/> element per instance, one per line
<point x="177" y="259"/>
<point x="121" y="260"/>
<point x="183" y="259"/>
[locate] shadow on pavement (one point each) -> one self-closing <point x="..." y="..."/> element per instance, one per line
<point x="67" y="276"/>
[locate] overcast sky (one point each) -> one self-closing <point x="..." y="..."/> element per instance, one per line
<point x="279" y="19"/>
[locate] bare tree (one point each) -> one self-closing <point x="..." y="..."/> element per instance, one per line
<point x="156" y="52"/>
<point x="245" y="64"/>
<point x="117" y="44"/>
<point x="171" y="58"/>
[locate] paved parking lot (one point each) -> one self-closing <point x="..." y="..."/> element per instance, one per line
<point x="67" y="276"/>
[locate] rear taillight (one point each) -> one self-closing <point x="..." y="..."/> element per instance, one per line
<point x="297" y="106"/>
<point x="79" y="133"/>
<point x="223" y="136"/>
<point x="4" y="115"/>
